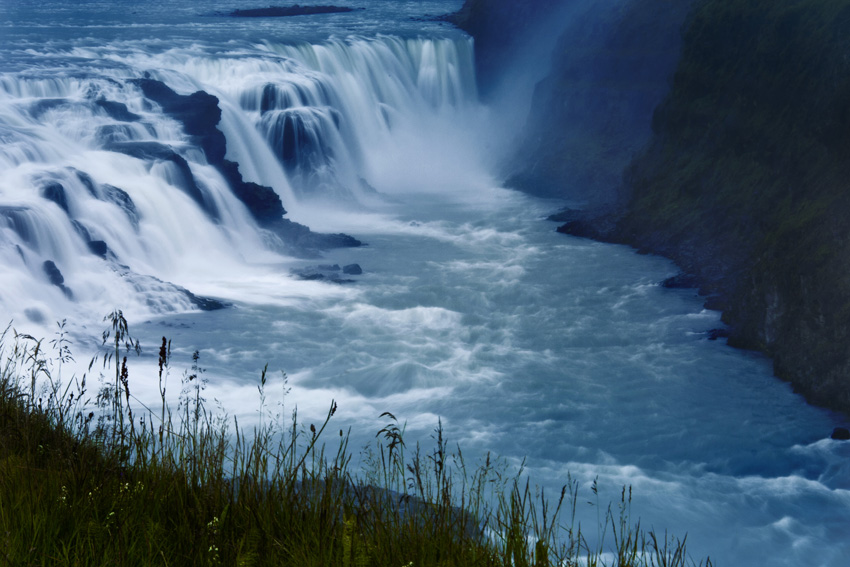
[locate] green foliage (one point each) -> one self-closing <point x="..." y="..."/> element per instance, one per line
<point x="108" y="481"/>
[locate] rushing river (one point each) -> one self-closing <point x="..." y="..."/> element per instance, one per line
<point x="470" y="308"/>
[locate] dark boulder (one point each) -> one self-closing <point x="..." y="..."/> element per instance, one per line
<point x="117" y="111"/>
<point x="98" y="248"/>
<point x="840" y="434"/>
<point x="681" y="281"/>
<point x="715" y="334"/>
<point x="55" y="192"/>
<point x="55" y="277"/>
<point x="322" y="272"/>
<point x="53" y="274"/>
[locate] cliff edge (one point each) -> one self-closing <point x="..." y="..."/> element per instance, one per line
<point x="740" y="174"/>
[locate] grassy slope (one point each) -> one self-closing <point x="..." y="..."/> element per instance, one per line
<point x="100" y="480"/>
<point x="745" y="182"/>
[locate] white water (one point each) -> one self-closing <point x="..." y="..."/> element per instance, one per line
<point x="471" y="309"/>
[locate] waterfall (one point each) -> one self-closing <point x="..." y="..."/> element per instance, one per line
<point x="106" y="198"/>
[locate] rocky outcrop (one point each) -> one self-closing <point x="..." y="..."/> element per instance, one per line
<point x="200" y="114"/>
<point x="499" y="28"/>
<point x="592" y="114"/>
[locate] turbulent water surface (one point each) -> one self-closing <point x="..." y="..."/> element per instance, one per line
<point x="470" y="309"/>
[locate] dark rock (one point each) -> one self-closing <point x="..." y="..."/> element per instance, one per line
<point x="204" y="303"/>
<point x="322" y="272"/>
<point x="87" y="181"/>
<point x="55" y="192"/>
<point x="123" y="200"/>
<point x="56" y="278"/>
<point x="716" y="303"/>
<point x="352" y="269"/>
<point x="305" y="240"/>
<point x="53" y="274"/>
<point x="500" y="29"/>
<point x="200" y="114"/>
<point x="265" y="205"/>
<point x="17" y="218"/>
<point x="681" y="281"/>
<point x="841" y="434"/>
<point x="98" y="248"/>
<point x="110" y="133"/>
<point x="81" y="230"/>
<point x="184" y="179"/>
<point x="117" y="111"/>
<point x="715" y="334"/>
<point x="39" y="107"/>
<point x="153" y="287"/>
<point x="284" y="11"/>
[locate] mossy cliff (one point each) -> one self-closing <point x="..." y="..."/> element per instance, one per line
<point x="743" y="179"/>
<point x="746" y="180"/>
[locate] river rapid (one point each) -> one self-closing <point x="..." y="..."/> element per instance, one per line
<point x="470" y="309"/>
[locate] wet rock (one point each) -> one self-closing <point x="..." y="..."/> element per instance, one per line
<point x="322" y="272"/>
<point x="182" y="178"/>
<point x="122" y="199"/>
<point x="98" y="248"/>
<point x="55" y="277"/>
<point x="117" y="111"/>
<point x="681" y="281"/>
<point x="840" y="434"/>
<point x="715" y="334"/>
<point x="200" y="114"/>
<point x="52" y="272"/>
<point x="55" y="192"/>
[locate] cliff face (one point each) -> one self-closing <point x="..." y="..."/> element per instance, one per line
<point x="746" y="181"/>
<point x="500" y="27"/>
<point x="592" y="114"/>
<point x="744" y="177"/>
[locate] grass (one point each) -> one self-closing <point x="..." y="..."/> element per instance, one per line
<point x="90" y="476"/>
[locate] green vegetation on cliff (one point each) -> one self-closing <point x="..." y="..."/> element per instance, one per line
<point x="746" y="180"/>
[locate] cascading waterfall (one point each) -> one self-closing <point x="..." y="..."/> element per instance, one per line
<point x="105" y="195"/>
